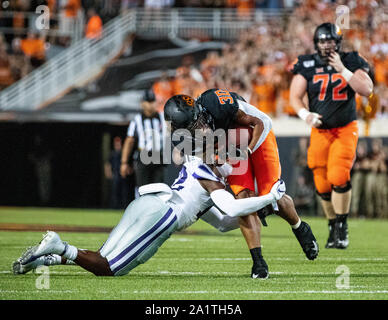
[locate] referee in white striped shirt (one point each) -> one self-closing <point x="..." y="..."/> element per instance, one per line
<point x="146" y="133"/>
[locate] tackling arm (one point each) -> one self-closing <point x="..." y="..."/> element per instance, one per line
<point x="226" y="202"/>
<point x="221" y="222"/>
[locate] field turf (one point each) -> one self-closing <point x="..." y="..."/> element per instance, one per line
<point x="202" y="263"/>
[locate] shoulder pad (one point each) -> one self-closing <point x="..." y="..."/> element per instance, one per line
<point x="202" y="171"/>
<point x="303" y="62"/>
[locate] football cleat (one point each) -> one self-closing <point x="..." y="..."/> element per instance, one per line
<point x="331" y="240"/>
<point x="307" y="240"/>
<point x="19" y="268"/>
<point x="51" y="243"/>
<point x="341" y="235"/>
<point x="260" y="270"/>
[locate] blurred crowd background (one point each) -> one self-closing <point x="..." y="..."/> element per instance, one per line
<point x="256" y="65"/>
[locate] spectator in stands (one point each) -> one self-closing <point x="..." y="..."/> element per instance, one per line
<point x="34" y="48"/>
<point x="163" y="89"/>
<point x="145" y="141"/>
<point x="244" y="8"/>
<point x="5" y="70"/>
<point x="94" y="25"/>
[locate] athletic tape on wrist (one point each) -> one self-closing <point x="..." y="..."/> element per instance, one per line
<point x="347" y="74"/>
<point x="303" y="113"/>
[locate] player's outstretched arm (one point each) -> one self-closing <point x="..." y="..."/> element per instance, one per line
<point x="297" y="92"/>
<point x="221" y="222"/>
<point x="226" y="202"/>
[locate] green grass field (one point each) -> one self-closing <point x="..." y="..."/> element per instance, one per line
<point x="202" y="263"/>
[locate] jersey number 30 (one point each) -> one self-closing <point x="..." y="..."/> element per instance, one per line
<point x="324" y="80"/>
<point x="224" y="96"/>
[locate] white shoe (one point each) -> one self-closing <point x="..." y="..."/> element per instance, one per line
<point x="19" y="268"/>
<point x="51" y="243"/>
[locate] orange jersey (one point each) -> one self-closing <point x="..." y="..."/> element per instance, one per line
<point x="94" y="27"/>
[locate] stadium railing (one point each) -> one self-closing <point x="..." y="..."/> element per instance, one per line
<point x="84" y="59"/>
<point x="75" y="33"/>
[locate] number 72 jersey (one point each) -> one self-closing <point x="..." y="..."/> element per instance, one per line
<point x="328" y="92"/>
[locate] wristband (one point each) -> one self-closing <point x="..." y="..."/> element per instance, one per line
<point x="303" y="113"/>
<point x="347" y="74"/>
<point x="249" y="150"/>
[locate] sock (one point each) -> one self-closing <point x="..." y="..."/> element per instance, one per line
<point x="332" y="222"/>
<point x="296" y="225"/>
<point x="71" y="252"/>
<point x="256" y="254"/>
<point x="55" y="260"/>
<point x="341" y="218"/>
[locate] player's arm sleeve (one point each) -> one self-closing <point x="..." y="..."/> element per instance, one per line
<point x="298" y="68"/>
<point x="267" y="122"/>
<point x="226" y="202"/>
<point x="203" y="172"/>
<point x="221" y="222"/>
<point x="354" y="62"/>
<point x="131" y="132"/>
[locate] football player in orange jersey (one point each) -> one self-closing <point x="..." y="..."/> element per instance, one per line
<point x="220" y="109"/>
<point x="331" y="78"/>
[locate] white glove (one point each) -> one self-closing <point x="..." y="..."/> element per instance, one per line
<point x="278" y="189"/>
<point x="311" y="118"/>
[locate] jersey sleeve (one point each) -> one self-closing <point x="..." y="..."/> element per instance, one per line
<point x="132" y="132"/>
<point x="221" y="104"/>
<point x="202" y="171"/>
<point x="267" y="122"/>
<point x="236" y="96"/>
<point x="298" y="67"/>
<point x="353" y="61"/>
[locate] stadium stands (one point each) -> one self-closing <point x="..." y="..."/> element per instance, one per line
<point x="180" y="47"/>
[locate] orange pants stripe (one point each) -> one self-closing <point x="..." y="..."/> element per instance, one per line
<point x="331" y="155"/>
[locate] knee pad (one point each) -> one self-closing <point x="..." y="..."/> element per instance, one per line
<point x="343" y="189"/>
<point x="320" y="180"/>
<point x="325" y="196"/>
